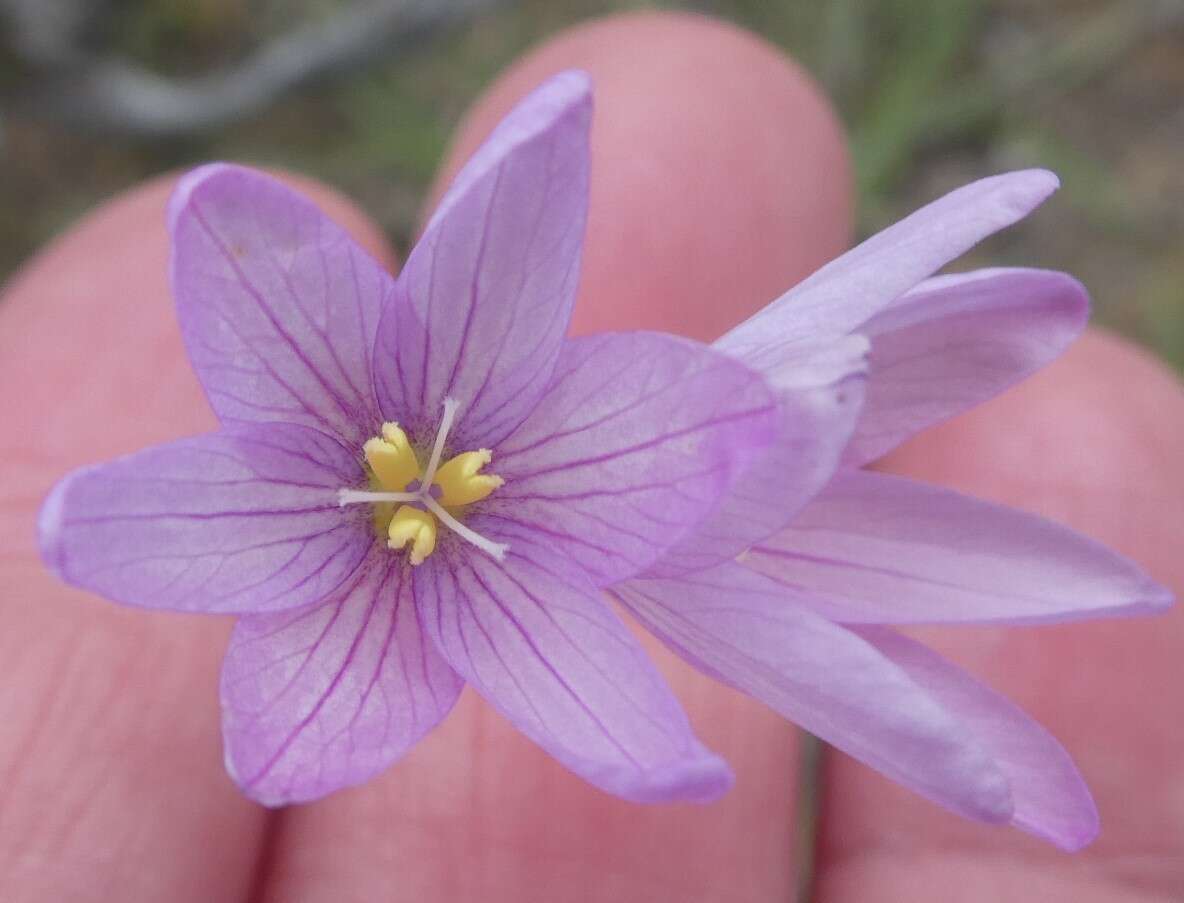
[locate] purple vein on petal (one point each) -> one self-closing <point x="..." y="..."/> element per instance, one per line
<point x="267" y="312"/>
<point x="550" y="667"/>
<point x="466" y="328"/>
<point x="546" y="609"/>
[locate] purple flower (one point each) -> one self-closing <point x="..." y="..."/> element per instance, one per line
<point x="798" y="619"/>
<point x="420" y="482"/>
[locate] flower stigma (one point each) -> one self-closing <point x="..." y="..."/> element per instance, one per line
<point x="410" y="502"/>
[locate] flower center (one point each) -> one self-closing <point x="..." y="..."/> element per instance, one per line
<point x="410" y="502"/>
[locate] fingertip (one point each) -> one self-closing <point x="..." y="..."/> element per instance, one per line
<point x="719" y="172"/>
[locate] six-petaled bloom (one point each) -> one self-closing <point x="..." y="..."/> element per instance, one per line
<point x="422" y="482"/>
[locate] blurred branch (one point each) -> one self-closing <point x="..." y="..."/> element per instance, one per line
<point x="49" y="32"/>
<point x="110" y="94"/>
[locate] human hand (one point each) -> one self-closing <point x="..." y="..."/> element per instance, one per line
<point x="719" y="179"/>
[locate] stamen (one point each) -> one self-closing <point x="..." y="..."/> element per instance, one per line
<point x="450" y="408"/>
<point x="392" y="463"/>
<point x="496" y="549"/>
<point x="360" y="496"/>
<point x="461" y="481"/>
<point x="391" y="458"/>
<point x="411" y="525"/>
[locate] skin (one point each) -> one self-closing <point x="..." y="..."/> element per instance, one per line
<point x="720" y="178"/>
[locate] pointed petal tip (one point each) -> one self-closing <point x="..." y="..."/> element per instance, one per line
<point x="1034" y="180"/>
<point x="1077" y="840"/>
<point x="1073" y="832"/>
<point x="49" y="527"/>
<point x="1147" y="598"/>
<point x="703" y="777"/>
<point x="1007" y="197"/>
<point x="577" y="83"/>
<point x="1068" y="292"/>
<point x="1077" y="301"/>
<point x="1086" y="834"/>
<point x="1027" y="189"/>
<point x="260" y="794"/>
<point x="228" y="761"/>
<point x="1155" y="598"/>
<point x="566" y="93"/>
<point x="1045" y="176"/>
<point x="188" y="184"/>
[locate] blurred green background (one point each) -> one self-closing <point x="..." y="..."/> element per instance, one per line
<point x="934" y="93"/>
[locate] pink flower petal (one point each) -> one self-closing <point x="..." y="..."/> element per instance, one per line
<point x="955" y="341"/>
<point x="486" y="296"/>
<point x="533" y="636"/>
<point x="850" y="290"/>
<point x="240" y="521"/>
<point x="324" y="698"/>
<point x="754" y="635"/>
<point x="636" y="441"/>
<point x="874" y="548"/>
<point x="1051" y="799"/>
<point x="819" y="390"/>
<point x="278" y="307"/>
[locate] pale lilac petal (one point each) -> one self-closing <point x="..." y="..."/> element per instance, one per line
<point x="1050" y="797"/>
<point x="756" y="636"/>
<point x="955" y="341"/>
<point x="486" y="296"/>
<point x="244" y="520"/>
<point x="848" y="291"/>
<point x="819" y="389"/>
<point x="635" y="442"/>
<point x="327" y="697"/>
<point x="874" y="548"/>
<point x="278" y="307"/>
<point x="533" y="636"/>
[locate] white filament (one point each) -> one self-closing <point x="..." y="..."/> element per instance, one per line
<point x="423" y="495"/>
<point x="496" y="549"/>
<point x="450" y="407"/>
<point x="357" y="497"/>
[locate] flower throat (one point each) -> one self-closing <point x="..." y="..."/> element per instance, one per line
<point x="410" y="502"/>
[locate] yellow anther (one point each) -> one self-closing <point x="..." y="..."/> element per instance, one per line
<point x="400" y="491"/>
<point x="462" y="483"/>
<point x="391" y="458"/>
<point x="411" y="525"/>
